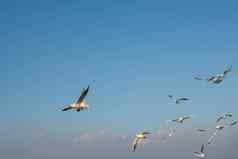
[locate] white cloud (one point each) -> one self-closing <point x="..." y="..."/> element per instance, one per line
<point x="100" y="136"/>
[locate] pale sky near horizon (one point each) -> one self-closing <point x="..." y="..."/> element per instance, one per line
<point x="131" y="53"/>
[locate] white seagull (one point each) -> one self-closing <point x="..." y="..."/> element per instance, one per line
<point x="233" y="123"/>
<point x="218" y="128"/>
<point x="217" y="78"/>
<point x="200" y="154"/>
<point x="178" y="100"/>
<point x="181" y="119"/>
<point x="223" y="117"/>
<point x="80" y="104"/>
<point x="138" y="139"/>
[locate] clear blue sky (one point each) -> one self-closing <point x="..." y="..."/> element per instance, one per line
<point x="132" y="54"/>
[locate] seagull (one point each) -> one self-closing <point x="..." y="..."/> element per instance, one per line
<point x="80" y="104"/>
<point x="210" y="140"/>
<point x="178" y="100"/>
<point x="217" y="78"/>
<point x="171" y="132"/>
<point x="200" y="154"/>
<point x="181" y="119"/>
<point x="198" y="78"/>
<point x="218" y="128"/>
<point x="233" y="123"/>
<point x="138" y="139"/>
<point x="202" y="130"/>
<point x="223" y="117"/>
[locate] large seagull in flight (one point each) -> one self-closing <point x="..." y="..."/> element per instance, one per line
<point x="80" y="103"/>
<point x="138" y="139"/>
<point x="216" y="79"/>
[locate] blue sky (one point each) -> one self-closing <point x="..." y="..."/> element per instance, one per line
<point x="132" y="54"/>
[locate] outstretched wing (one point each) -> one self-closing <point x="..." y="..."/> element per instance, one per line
<point x="170" y="96"/>
<point x="186" y="117"/>
<point x="181" y="99"/>
<point x="135" y="143"/>
<point x="202" y="130"/>
<point x="228" y="115"/>
<point x="228" y="70"/>
<point x="220" y="118"/>
<point x="174" y="120"/>
<point x="233" y="123"/>
<point x="202" y="148"/>
<point x="211" y="139"/>
<point x="145" y="132"/>
<point x="198" y="78"/>
<point x="211" y="78"/>
<point x="83" y="95"/>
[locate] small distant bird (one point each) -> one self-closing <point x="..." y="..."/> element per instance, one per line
<point x="171" y="132"/>
<point x="223" y="117"/>
<point x="217" y="78"/>
<point x="80" y="104"/>
<point x="211" y="139"/>
<point x="198" y="78"/>
<point x="170" y="96"/>
<point x="202" y="130"/>
<point x="181" y="119"/>
<point x="220" y="118"/>
<point x="220" y="127"/>
<point x="178" y="100"/>
<point x="138" y="139"/>
<point x="200" y="154"/>
<point x="233" y="123"/>
<point x="228" y="115"/>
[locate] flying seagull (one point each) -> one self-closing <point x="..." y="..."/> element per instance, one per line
<point x="200" y="154"/>
<point x="198" y="78"/>
<point x="178" y="100"/>
<point x="80" y="103"/>
<point x="218" y="128"/>
<point x="223" y="117"/>
<point x="216" y="79"/>
<point x="181" y="119"/>
<point x="138" y="139"/>
<point x="202" y="130"/>
<point x="171" y="132"/>
<point x="233" y="123"/>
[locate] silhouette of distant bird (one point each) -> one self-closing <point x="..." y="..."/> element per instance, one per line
<point x="181" y="119"/>
<point x="216" y="79"/>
